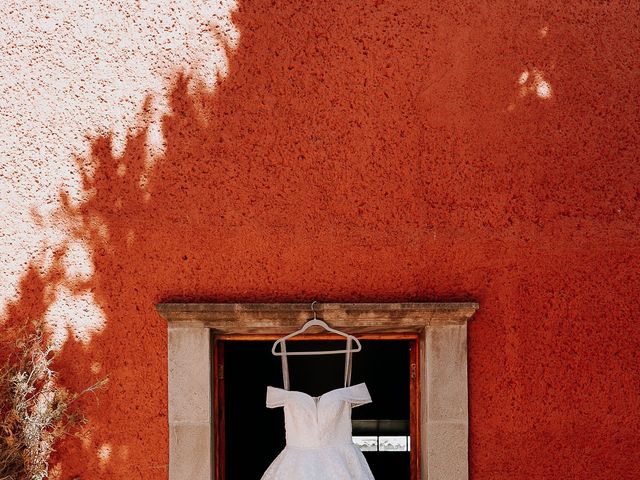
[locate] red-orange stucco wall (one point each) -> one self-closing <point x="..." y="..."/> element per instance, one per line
<point x="392" y="151"/>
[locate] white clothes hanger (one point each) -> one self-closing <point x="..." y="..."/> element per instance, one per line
<point x="315" y="321"/>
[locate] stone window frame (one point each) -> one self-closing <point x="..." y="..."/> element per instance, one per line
<point x="442" y="330"/>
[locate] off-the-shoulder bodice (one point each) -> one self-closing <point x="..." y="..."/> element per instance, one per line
<point x="316" y="422"/>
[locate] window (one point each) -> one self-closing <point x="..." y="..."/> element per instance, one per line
<point x="383" y="428"/>
<point x="441" y="449"/>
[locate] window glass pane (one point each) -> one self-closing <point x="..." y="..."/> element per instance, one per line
<point x="393" y="444"/>
<point x="366" y="443"/>
<point x="384" y="366"/>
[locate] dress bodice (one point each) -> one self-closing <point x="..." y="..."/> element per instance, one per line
<point x="318" y="422"/>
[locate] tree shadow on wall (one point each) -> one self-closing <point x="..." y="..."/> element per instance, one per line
<point x="141" y="240"/>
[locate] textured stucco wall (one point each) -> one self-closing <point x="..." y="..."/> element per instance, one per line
<point x="345" y="151"/>
<point x="72" y="71"/>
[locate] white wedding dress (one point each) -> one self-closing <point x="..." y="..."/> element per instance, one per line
<point x="318" y="433"/>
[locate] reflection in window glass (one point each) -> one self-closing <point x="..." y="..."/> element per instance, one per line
<point x="392" y="444"/>
<point x="366" y="444"/>
<point x="383" y="443"/>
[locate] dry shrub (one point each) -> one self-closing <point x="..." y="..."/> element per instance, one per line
<point x="35" y="410"/>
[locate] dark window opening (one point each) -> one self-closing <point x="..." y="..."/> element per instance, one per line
<point x="253" y="435"/>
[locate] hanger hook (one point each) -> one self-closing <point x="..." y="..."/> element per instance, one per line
<point x="313" y="310"/>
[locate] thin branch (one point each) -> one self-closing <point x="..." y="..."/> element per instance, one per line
<point x="34" y="409"/>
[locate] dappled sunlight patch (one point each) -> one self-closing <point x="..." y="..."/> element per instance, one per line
<point x="79" y="312"/>
<point x="533" y="81"/>
<point x="104" y="454"/>
<point x="543" y="89"/>
<point x="524" y="76"/>
<point x="77" y="261"/>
